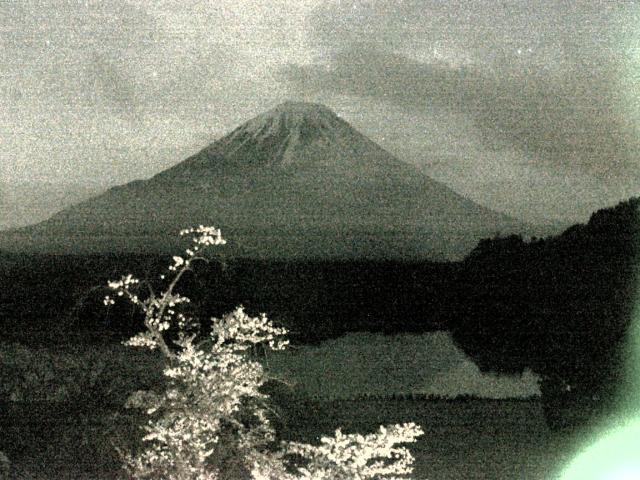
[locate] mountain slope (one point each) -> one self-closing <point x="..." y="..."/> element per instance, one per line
<point x="296" y="181"/>
<point x="27" y="203"/>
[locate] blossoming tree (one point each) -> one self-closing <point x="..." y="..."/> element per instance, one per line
<point x="212" y="421"/>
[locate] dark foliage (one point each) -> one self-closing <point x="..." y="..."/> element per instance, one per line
<point x="59" y="298"/>
<point x="561" y="306"/>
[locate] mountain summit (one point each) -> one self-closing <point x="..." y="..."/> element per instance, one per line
<point x="292" y="136"/>
<point x="296" y="181"/>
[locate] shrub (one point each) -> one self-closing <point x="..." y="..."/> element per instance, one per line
<point x="5" y="467"/>
<point x="73" y="374"/>
<point x="213" y="420"/>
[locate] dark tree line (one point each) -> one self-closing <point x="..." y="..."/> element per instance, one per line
<point x="561" y="305"/>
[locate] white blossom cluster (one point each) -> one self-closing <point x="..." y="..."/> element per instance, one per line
<point x="245" y="331"/>
<point x="205" y="236"/>
<point x="212" y="403"/>
<point x="125" y="282"/>
<point x="142" y="339"/>
<point x="177" y="263"/>
<point x="212" y="422"/>
<point x="359" y="457"/>
<point x="160" y="311"/>
<point x="122" y="288"/>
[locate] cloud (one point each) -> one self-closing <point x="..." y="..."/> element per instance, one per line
<point x="121" y="88"/>
<point x="543" y="80"/>
<point x="568" y="122"/>
<point x="477" y="29"/>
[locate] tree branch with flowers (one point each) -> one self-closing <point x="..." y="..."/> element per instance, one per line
<point x="212" y="421"/>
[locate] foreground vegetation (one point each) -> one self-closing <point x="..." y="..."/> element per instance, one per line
<point x="469" y="439"/>
<point x="211" y="419"/>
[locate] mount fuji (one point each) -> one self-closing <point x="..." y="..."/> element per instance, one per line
<point x="295" y="182"/>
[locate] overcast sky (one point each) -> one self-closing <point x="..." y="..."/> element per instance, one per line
<point x="530" y="107"/>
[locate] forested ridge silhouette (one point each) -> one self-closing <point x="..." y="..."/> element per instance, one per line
<point x="561" y="306"/>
